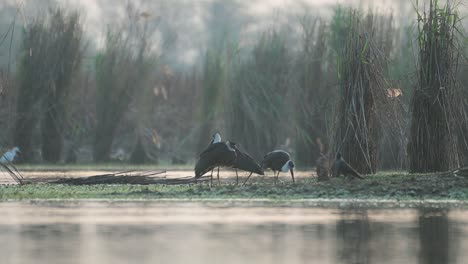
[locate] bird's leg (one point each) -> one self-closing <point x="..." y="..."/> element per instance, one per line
<point x="276" y="177"/>
<point x="219" y="183"/>
<point x="211" y="179"/>
<point x="247" y="179"/>
<point x="237" y="178"/>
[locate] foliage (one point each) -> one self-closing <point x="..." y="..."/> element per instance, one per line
<point x="258" y="96"/>
<point x="122" y="70"/>
<point x="213" y="82"/>
<point x="64" y="55"/>
<point x="50" y="58"/>
<point x="32" y="83"/>
<point x="313" y="96"/>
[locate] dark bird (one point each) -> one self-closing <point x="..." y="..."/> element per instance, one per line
<point x="278" y="161"/>
<point x="245" y="162"/>
<point x="342" y="167"/>
<point x="216" y="138"/>
<point x="218" y="154"/>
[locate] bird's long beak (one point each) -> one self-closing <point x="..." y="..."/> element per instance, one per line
<point x="292" y="173"/>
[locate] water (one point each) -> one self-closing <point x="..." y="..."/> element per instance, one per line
<point x="171" y="232"/>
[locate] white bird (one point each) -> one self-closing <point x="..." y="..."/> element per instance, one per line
<point x="9" y="156"/>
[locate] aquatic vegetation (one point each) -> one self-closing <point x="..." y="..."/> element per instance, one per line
<point x="383" y="186"/>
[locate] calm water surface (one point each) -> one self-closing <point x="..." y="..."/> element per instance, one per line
<point x="151" y="232"/>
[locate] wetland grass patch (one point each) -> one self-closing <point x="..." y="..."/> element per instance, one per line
<point x="383" y="186"/>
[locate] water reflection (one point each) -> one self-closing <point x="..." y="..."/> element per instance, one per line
<point x="121" y="233"/>
<point x="437" y="238"/>
<point x="353" y="237"/>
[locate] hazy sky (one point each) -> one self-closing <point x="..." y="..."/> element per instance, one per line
<point x="99" y="13"/>
<point x="190" y="18"/>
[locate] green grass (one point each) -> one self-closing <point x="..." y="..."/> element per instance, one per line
<point x="387" y="186"/>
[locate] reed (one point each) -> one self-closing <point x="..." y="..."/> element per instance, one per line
<point x="313" y="97"/>
<point x="436" y="99"/>
<point x="213" y="83"/>
<point x="259" y="95"/>
<point x="121" y="71"/>
<point x="50" y="58"/>
<point x="64" y="36"/>
<point x="362" y="93"/>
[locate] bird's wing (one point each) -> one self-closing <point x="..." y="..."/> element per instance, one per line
<point x="215" y="156"/>
<point x="211" y="147"/>
<point x="247" y="163"/>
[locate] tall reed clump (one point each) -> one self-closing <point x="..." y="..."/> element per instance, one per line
<point x="313" y="97"/>
<point x="64" y="60"/>
<point x="50" y="58"/>
<point x="401" y="72"/>
<point x="463" y="126"/>
<point x="32" y="82"/>
<point x="257" y="97"/>
<point x="121" y="71"/>
<point x="213" y="82"/>
<point x="436" y="100"/>
<point x="362" y="91"/>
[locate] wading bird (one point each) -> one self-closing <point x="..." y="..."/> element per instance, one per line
<point x="216" y="138"/>
<point x="9" y="156"/>
<point x="6" y="163"/>
<point x="245" y="162"/>
<point x="278" y="161"/>
<point x="342" y="167"/>
<point x="218" y="154"/>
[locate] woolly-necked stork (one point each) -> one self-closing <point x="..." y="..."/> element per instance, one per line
<point x="245" y="162"/>
<point x="278" y="161"/>
<point x="218" y="154"/>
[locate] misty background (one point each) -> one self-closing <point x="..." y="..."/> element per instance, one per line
<point x="263" y="73"/>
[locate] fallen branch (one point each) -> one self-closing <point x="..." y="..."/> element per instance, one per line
<point x="130" y="177"/>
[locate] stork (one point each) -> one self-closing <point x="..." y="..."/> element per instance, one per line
<point x="218" y="154"/>
<point x="245" y="162"/>
<point x="278" y="161"/>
